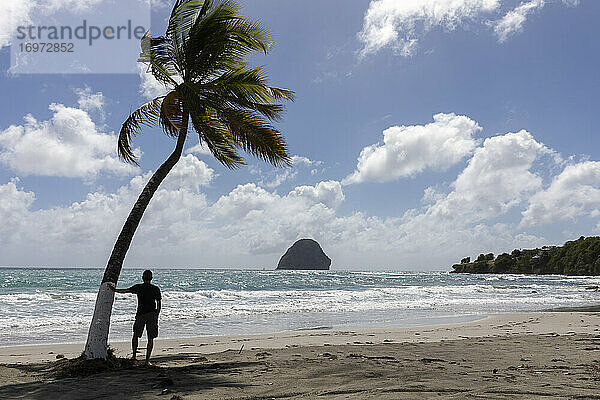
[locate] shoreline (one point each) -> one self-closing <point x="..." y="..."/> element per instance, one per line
<point x="561" y="321"/>
<point x="164" y="327"/>
<point x="460" y="319"/>
<point x="534" y="355"/>
<point x="590" y="308"/>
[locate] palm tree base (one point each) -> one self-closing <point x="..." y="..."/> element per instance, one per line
<point x="97" y="340"/>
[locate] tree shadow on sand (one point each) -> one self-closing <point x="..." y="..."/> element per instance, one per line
<point x="178" y="374"/>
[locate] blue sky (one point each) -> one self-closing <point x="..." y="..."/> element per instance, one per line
<point x="424" y="131"/>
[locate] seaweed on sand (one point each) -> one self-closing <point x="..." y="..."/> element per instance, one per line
<point x="80" y="366"/>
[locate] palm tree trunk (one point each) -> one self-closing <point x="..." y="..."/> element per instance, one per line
<point x="96" y="345"/>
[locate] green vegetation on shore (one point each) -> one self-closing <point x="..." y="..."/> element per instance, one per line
<point x="578" y="257"/>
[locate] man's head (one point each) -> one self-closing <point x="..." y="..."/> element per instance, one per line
<point x="147" y="276"/>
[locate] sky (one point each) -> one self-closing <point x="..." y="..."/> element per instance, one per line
<point x="423" y="131"/>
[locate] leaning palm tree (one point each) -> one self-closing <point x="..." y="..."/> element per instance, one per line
<point x="202" y="60"/>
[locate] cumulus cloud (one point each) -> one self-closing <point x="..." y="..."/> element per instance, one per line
<point x="179" y="224"/>
<point x="497" y="178"/>
<point x="14" y="13"/>
<point x="71" y="5"/>
<point x="191" y="173"/>
<point x="280" y="177"/>
<point x="573" y="193"/>
<point x="513" y="21"/>
<point x="88" y="228"/>
<point x="150" y="87"/>
<point x="68" y="145"/>
<point x="305" y="161"/>
<point x="400" y="24"/>
<point x="571" y="3"/>
<point x="89" y="101"/>
<point x="408" y="150"/>
<point x="14" y="206"/>
<point x="199" y="149"/>
<point x="327" y="193"/>
<point x="251" y="226"/>
<point x="275" y="177"/>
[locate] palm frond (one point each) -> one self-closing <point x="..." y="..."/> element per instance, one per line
<point x="182" y="18"/>
<point x="221" y="40"/>
<point x="222" y="99"/>
<point x="146" y="115"/>
<point x="248" y="88"/>
<point x="159" y="54"/>
<point x="202" y="58"/>
<point x="216" y="136"/>
<point x="252" y="82"/>
<point x="255" y="136"/>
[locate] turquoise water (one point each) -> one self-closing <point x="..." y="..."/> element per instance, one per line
<point x="55" y="305"/>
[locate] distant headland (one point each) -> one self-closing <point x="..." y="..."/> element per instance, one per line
<point x="578" y="257"/>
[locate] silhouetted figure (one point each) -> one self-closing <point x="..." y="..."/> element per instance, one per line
<point x="149" y="303"/>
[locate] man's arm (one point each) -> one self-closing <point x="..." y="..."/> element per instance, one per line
<point x="158" y="298"/>
<point x="113" y="287"/>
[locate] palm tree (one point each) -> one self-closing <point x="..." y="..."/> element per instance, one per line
<point x="202" y="60"/>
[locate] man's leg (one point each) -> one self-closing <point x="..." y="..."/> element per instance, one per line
<point x="149" y="349"/>
<point x="138" y="328"/>
<point x="151" y="332"/>
<point x="134" y="346"/>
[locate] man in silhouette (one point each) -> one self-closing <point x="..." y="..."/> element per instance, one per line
<point x="148" y="296"/>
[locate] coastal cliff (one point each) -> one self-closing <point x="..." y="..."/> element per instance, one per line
<point x="578" y="257"/>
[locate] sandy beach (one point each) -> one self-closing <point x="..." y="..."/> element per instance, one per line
<point x="377" y="199"/>
<point x="545" y="355"/>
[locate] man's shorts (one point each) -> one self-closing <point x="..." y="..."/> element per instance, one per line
<point x="150" y="321"/>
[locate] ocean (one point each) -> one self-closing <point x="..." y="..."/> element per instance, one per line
<point x="40" y="306"/>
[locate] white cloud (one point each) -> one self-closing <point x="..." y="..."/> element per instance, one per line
<point x="191" y="173"/>
<point x="431" y="195"/>
<point x="14" y="206"/>
<point x="74" y="6"/>
<point x="251" y="226"/>
<point x="400" y="24"/>
<point x="408" y="150"/>
<point x="275" y="177"/>
<point x="248" y="226"/>
<point x="67" y="145"/>
<point x="497" y="178"/>
<point x="89" y="101"/>
<point x="14" y="13"/>
<point x="255" y="221"/>
<point x="86" y="230"/>
<point x="305" y="161"/>
<point x="574" y="192"/>
<point x="150" y="87"/>
<point x="285" y="175"/>
<point x="328" y="193"/>
<point x="180" y="226"/>
<point x="513" y="21"/>
<point x="199" y="149"/>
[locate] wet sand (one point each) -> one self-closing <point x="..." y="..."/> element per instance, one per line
<point x="546" y="355"/>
